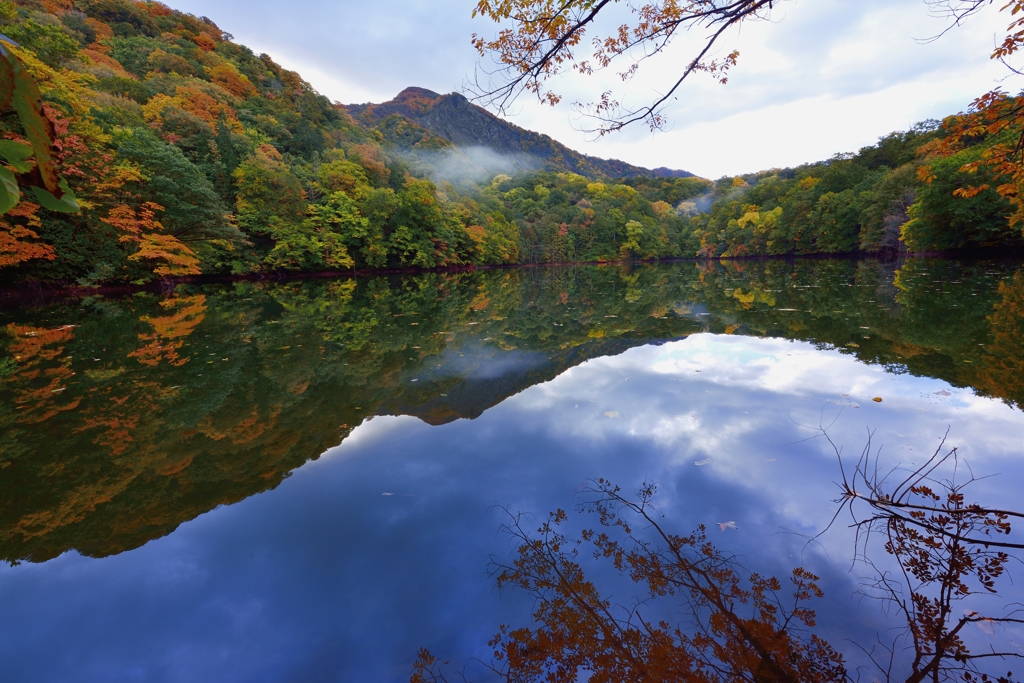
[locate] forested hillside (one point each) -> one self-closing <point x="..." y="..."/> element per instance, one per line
<point x="906" y="193"/>
<point x="189" y="154"/>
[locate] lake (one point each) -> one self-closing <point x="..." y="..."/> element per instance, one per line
<point x="305" y="480"/>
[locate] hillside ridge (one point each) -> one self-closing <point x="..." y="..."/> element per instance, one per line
<point x="454" y="118"/>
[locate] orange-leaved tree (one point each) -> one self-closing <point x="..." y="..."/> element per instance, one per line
<point x="996" y="119"/>
<point x="140" y="227"/>
<point x="542" y="38"/>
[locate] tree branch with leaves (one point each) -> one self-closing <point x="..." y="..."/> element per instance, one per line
<point x="946" y="550"/>
<point x="544" y="38"/>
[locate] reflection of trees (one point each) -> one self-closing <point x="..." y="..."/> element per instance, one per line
<point x="738" y="625"/>
<point x="946" y="551"/>
<point x="1002" y="371"/>
<point x="170" y="331"/>
<point x="743" y="626"/>
<point x="167" y="407"/>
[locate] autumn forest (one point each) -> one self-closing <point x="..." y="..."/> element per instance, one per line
<point x="190" y="154"/>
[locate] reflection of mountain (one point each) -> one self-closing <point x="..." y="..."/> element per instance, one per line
<point x="495" y="376"/>
<point x="119" y="420"/>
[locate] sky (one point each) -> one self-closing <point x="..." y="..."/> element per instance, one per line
<point x="822" y="77"/>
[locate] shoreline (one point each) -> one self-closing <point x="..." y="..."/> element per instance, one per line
<point x="48" y="292"/>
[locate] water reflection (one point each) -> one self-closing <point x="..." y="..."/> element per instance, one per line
<point x="216" y="394"/>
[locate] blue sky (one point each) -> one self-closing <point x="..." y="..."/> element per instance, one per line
<point x="824" y="76"/>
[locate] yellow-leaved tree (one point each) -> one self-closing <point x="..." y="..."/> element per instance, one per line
<point x="27" y="163"/>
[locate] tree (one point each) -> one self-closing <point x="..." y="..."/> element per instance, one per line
<point x="542" y="37"/>
<point x="140" y="227"/>
<point x="631" y="245"/>
<point x="192" y="208"/>
<point x="945" y="217"/>
<point x="946" y="548"/>
<point x="996" y="118"/>
<point x="744" y="630"/>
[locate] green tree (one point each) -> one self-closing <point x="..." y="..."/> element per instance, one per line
<point x="192" y="208"/>
<point x="51" y="43"/>
<point x="267" y="189"/>
<point x="941" y="220"/>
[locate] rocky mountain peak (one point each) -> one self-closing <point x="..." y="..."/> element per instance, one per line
<point x="459" y="121"/>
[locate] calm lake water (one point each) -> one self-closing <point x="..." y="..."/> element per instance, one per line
<point x="297" y="481"/>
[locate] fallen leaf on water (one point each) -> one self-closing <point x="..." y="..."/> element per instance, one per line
<point x="727" y="525"/>
<point x="612" y="413"/>
<point x="701" y="463"/>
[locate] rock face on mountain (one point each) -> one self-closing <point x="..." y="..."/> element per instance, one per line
<point x="464" y="124"/>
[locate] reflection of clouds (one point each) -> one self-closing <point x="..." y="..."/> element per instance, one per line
<point x="755" y="400"/>
<point x="325" y="578"/>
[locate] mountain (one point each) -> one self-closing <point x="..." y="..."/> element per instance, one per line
<point x="456" y="120"/>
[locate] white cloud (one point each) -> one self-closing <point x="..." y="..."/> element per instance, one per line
<point x="825" y="76"/>
<point x="748" y="405"/>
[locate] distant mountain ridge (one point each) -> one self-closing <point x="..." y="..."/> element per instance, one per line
<point x="454" y="118"/>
